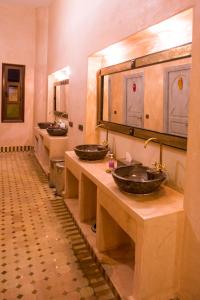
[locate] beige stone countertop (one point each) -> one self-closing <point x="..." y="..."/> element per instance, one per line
<point x="162" y="202"/>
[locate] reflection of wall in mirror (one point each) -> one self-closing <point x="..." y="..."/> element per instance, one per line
<point x="116" y="98"/>
<point x="153" y="94"/>
<point x="62" y="97"/>
<point x="58" y="95"/>
<point x="113" y="109"/>
<point x="106" y="99"/>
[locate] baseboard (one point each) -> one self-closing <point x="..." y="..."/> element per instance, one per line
<point x="15" y="148"/>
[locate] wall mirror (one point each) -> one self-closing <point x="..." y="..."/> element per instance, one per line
<point x="148" y="95"/>
<point x="61" y="98"/>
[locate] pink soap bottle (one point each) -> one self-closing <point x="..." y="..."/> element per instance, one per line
<point x="111" y="162"/>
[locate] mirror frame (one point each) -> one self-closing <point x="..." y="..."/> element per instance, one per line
<point x="56" y="112"/>
<point x="175" y="53"/>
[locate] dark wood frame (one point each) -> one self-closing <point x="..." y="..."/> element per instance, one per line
<point x="4" y="100"/>
<point x="56" y="112"/>
<point x="179" y="52"/>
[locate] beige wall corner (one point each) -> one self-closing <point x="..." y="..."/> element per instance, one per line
<point x="40" y="103"/>
<point x="18" y="47"/>
<point x="190" y="275"/>
<point x="91" y="134"/>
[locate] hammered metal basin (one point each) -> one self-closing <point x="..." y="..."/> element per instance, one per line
<point x="57" y="131"/>
<point x="44" y="125"/>
<point x="138" y="179"/>
<point x="91" y="151"/>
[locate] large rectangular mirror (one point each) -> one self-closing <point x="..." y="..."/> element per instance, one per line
<point x="148" y="95"/>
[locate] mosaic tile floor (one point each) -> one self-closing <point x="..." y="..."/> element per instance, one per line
<point x="42" y="253"/>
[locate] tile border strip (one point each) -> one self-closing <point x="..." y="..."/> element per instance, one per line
<point x="4" y="149"/>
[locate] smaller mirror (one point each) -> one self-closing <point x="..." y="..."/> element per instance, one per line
<point x="61" y="98"/>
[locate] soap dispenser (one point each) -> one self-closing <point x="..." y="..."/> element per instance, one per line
<point x="111" y="162"/>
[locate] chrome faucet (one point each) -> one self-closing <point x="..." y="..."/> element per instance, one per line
<point x="158" y="165"/>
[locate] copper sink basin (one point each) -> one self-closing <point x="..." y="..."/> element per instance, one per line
<point x="138" y="179"/>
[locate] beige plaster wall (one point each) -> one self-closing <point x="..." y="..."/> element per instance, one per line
<point x="50" y="101"/>
<point x="17" y="46"/>
<point x="94" y="64"/>
<point x="76" y="30"/>
<point x="190" y="283"/>
<point x="40" y="103"/>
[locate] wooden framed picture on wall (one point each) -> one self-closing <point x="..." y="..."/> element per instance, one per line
<point x="13" y="86"/>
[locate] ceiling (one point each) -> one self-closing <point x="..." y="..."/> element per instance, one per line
<point x="33" y="3"/>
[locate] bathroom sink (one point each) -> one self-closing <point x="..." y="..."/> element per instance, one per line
<point x="91" y="151"/>
<point x="44" y="125"/>
<point x="138" y="179"/>
<point x="57" y="131"/>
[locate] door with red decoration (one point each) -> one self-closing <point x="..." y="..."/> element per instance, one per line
<point x="134" y="100"/>
<point x="176" y="98"/>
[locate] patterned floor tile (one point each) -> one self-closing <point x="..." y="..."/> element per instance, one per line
<point x="42" y="253"/>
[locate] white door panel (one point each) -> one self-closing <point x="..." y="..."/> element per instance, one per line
<point x="134" y="100"/>
<point x="177" y="98"/>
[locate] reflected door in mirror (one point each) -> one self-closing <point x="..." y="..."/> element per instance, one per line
<point x="123" y="98"/>
<point x="177" y="98"/>
<point x="134" y="100"/>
